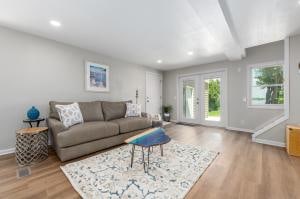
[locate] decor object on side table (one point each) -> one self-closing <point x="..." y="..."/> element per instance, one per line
<point x="31" y="145"/>
<point x="33" y="113"/>
<point x="167" y="111"/>
<point x="96" y="77"/>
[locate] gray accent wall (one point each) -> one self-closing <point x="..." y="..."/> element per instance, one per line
<point x="239" y="115"/>
<point x="36" y="70"/>
<point x="277" y="133"/>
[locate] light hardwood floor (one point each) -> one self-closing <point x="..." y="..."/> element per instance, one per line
<point x="242" y="170"/>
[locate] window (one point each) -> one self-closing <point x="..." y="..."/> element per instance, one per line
<point x="266" y="86"/>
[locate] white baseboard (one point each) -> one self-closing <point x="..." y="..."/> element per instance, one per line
<point x="7" y="151"/>
<point x="269" y="142"/>
<point x="239" y="129"/>
<point x="174" y="121"/>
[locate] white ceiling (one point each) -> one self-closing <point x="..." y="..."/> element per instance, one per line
<point x="143" y="31"/>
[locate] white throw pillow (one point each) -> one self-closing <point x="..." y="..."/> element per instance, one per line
<point x="133" y="110"/>
<point x="69" y="114"/>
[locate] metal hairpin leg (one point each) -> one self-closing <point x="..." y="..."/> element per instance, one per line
<point x="161" y="150"/>
<point x="148" y="159"/>
<point x="144" y="163"/>
<point x="132" y="155"/>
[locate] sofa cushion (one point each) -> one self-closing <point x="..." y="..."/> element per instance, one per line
<point x="114" y="110"/>
<point x="69" y="114"/>
<point x="86" y="132"/>
<point x="133" y="124"/>
<point x="91" y="111"/>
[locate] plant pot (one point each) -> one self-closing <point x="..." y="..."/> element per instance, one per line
<point x="167" y="117"/>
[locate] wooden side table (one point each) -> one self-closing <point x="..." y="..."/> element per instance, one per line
<point x="31" y="145"/>
<point x="293" y="140"/>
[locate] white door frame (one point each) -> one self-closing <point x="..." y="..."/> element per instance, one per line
<point x="225" y="101"/>
<point x="161" y="88"/>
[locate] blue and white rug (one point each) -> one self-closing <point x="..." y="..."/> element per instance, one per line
<point x="108" y="175"/>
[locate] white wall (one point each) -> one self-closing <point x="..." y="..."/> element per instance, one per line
<point x="36" y="70"/>
<point x="239" y="115"/>
<point x="277" y="133"/>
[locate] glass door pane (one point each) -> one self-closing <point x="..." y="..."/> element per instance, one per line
<point x="189" y="99"/>
<point x="212" y="99"/>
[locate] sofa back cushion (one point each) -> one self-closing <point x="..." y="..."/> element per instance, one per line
<point x="114" y="110"/>
<point x="91" y="111"/>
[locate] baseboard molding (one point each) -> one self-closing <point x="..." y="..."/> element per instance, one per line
<point x="269" y="142"/>
<point x="239" y="129"/>
<point x="174" y="121"/>
<point x="7" y="151"/>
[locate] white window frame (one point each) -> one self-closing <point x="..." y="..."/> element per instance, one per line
<point x="249" y="85"/>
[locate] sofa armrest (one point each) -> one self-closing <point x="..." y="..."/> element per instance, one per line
<point x="55" y="126"/>
<point x="146" y="115"/>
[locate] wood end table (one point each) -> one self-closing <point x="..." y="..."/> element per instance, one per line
<point x="31" y="145"/>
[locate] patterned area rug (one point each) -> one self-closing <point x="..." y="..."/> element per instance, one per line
<point x="108" y="175"/>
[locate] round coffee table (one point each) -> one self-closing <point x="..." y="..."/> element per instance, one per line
<point x="31" y="145"/>
<point x="148" y="139"/>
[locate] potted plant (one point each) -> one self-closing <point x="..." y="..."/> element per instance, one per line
<point x="166" y="112"/>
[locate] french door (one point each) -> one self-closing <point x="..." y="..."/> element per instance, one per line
<point x="203" y="99"/>
<point x="189" y="99"/>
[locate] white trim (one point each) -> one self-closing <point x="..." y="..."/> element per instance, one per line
<point x="249" y="85"/>
<point x="278" y="107"/>
<point x="269" y="126"/>
<point x="239" y="129"/>
<point x="268" y="122"/>
<point x="270" y="142"/>
<point x="286" y="73"/>
<point x="7" y="151"/>
<point x="202" y="72"/>
<point x="174" y="121"/>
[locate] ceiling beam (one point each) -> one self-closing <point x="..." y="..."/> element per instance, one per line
<point x="215" y="16"/>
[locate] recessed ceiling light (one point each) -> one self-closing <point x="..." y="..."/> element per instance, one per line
<point x="159" y="61"/>
<point x="190" y="52"/>
<point x="55" y="23"/>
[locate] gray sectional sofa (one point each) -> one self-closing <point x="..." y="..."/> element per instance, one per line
<point x="104" y="126"/>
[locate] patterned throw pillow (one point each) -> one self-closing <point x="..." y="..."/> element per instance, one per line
<point x="69" y="114"/>
<point x="133" y="110"/>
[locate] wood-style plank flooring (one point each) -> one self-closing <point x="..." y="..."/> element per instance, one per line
<point x="242" y="170"/>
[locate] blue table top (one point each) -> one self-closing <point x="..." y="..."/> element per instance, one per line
<point x="155" y="137"/>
